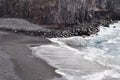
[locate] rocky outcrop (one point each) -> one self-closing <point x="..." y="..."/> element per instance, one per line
<point x="60" y="11"/>
<point x="21" y="26"/>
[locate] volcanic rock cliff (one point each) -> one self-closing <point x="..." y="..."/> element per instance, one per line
<point x="60" y="11"/>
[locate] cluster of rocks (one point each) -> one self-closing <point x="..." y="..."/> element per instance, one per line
<point x="83" y="29"/>
<point x="79" y="16"/>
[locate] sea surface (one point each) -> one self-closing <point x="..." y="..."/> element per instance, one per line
<point x="96" y="57"/>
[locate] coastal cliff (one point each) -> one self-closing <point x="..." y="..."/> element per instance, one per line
<point x="60" y="11"/>
<point x="57" y="18"/>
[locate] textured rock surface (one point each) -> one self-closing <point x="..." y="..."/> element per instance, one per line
<point x="60" y="11"/>
<point x="19" y="24"/>
<point x="25" y="27"/>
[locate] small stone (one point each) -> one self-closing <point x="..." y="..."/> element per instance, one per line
<point x="114" y="26"/>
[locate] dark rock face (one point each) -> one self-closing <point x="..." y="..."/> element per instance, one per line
<point x="60" y="11"/>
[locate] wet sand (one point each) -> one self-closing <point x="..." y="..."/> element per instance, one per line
<point x="20" y="63"/>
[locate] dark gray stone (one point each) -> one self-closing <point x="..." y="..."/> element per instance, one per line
<point x="60" y="11"/>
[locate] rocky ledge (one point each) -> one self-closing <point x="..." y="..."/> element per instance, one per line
<point x="25" y="27"/>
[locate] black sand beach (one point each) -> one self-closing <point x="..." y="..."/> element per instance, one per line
<point x="24" y="65"/>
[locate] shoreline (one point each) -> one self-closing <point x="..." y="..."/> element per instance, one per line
<point x="26" y="66"/>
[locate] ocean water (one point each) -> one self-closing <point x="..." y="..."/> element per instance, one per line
<point x="91" y="58"/>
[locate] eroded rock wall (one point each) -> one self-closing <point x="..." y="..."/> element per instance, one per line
<point x="60" y="11"/>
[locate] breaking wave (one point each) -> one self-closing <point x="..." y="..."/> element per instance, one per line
<point x="91" y="58"/>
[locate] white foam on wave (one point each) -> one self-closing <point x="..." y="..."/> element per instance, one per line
<point x="90" y="58"/>
<point x="102" y="75"/>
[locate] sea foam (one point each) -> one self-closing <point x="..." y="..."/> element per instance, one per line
<point x="91" y="58"/>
